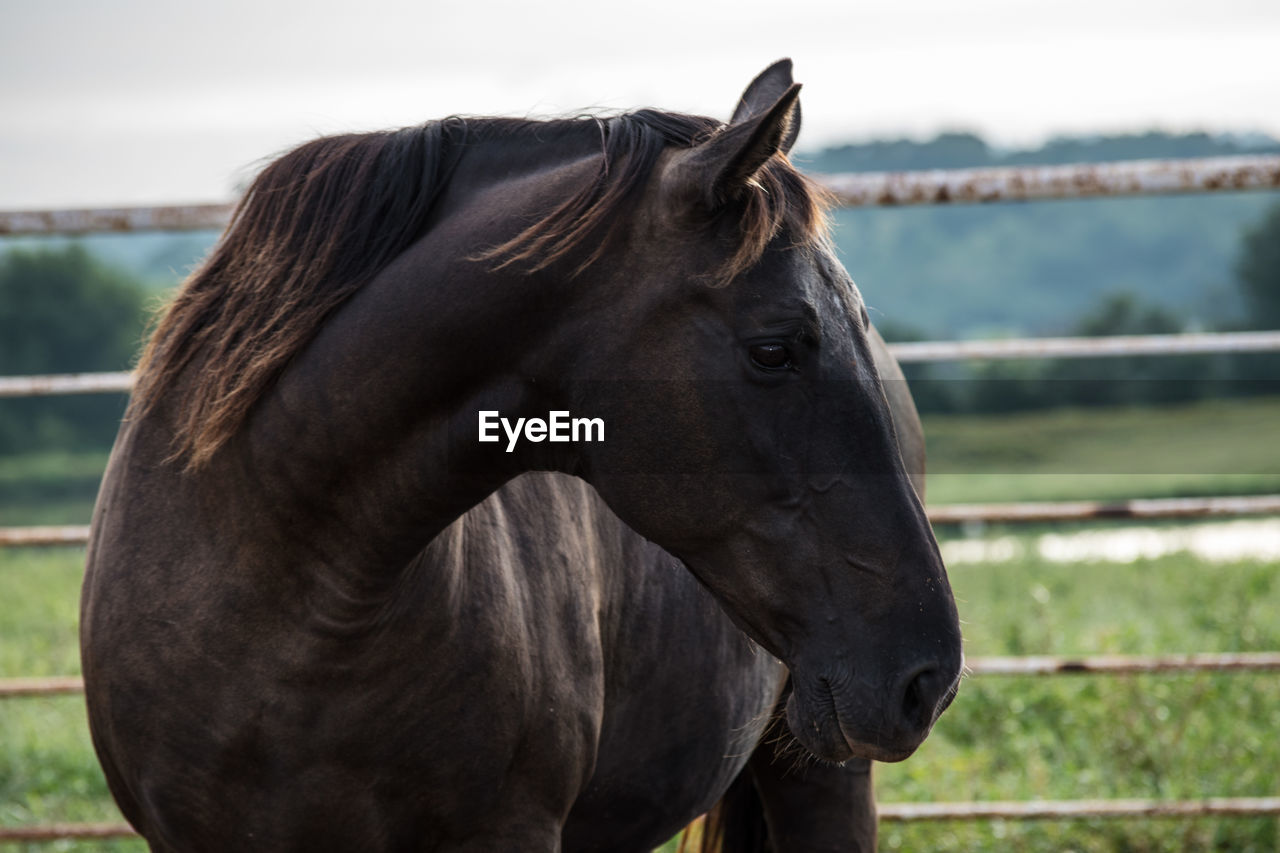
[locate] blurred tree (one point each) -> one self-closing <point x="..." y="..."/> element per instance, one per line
<point x="63" y="312"/>
<point x="1258" y="276"/>
<point x="1258" y="272"/>
<point x="933" y="391"/>
<point x="1128" y="381"/>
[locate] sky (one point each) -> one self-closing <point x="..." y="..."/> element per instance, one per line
<point x="172" y="101"/>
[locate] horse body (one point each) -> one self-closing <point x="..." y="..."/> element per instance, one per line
<point x="332" y="738"/>
<point x="350" y="625"/>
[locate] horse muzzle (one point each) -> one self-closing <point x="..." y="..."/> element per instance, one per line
<point x="840" y="718"/>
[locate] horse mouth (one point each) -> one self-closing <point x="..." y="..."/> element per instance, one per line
<point x="838" y="731"/>
<point x="879" y="750"/>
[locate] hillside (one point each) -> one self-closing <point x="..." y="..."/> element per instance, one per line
<point x="967" y="150"/>
<point x="970" y="271"/>
<point x="1034" y="268"/>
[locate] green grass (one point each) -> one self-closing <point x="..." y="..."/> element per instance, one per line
<point x="1173" y="736"/>
<point x="1210" y="448"/>
<point x="49" y="488"/>
<point x="1067" y="737"/>
<point x="1166" y="736"/>
<point x="48" y="772"/>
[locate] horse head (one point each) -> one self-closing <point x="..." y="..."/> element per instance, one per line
<point x="750" y="435"/>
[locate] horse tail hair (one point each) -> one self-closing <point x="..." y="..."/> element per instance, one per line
<point x="736" y="824"/>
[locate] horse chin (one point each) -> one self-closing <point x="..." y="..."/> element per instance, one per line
<point x="821" y="731"/>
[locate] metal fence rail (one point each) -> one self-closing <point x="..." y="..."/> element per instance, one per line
<point x="68" y="534"/>
<point x="1076" y="809"/>
<point x="853" y="189"/>
<point x="51" y="685"/>
<point x="1192" y="343"/>
<point x="1046" y="511"/>
<point x="50" y="832"/>
<point x="1075" y="180"/>
<point x="1123" y="664"/>
<point x="181" y="217"/>
<point x="59" y="685"/>
<point x="1216" y="807"/>
<point x="1145" y="508"/>
<point x="65" y="383"/>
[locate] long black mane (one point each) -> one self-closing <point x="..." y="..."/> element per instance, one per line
<point x="324" y="219"/>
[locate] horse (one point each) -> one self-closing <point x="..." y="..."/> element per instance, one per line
<point x="335" y="600"/>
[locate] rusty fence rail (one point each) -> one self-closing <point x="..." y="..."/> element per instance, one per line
<point x="1214" y="807"/>
<point x="65" y="383"/>
<point x="1012" y="513"/>
<point x="98" y="220"/>
<point x="49" y="685"/>
<point x="1033" y="665"/>
<point x="1187" y="343"/>
<point x="1191" y="343"/>
<point x="1074" y="180"/>
<point x="851" y="189"/>
<point x="67" y="534"/>
<point x="1141" y="508"/>
<point x="51" y="832"/>
<point x="1122" y="664"/>
<point x="1078" y="809"/>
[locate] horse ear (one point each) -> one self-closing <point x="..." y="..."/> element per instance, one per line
<point x="769" y="85"/>
<point x="719" y="170"/>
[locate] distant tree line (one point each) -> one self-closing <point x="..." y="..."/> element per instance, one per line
<point x="61" y="310"/>
<point x="970" y="151"/>
<point x="994" y="387"/>
<point x="1033" y="268"/>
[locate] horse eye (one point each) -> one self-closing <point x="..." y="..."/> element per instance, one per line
<point x="770" y="356"/>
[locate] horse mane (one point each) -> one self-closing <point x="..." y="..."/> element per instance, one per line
<point x="778" y="197"/>
<point x="321" y="221"/>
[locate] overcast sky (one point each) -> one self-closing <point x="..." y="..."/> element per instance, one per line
<point x="166" y="101"/>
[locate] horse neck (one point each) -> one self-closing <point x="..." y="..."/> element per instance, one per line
<point x="371" y="434"/>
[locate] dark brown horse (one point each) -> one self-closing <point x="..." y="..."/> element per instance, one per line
<point x="321" y="612"/>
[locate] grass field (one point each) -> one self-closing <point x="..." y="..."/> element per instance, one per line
<point x="48" y="772"/>
<point x="1069" y="737"/>
<point x="1221" y="447"/>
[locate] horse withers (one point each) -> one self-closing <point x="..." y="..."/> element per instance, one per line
<point x="320" y="613"/>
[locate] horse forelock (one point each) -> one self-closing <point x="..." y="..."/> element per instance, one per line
<point x="321" y="221"/>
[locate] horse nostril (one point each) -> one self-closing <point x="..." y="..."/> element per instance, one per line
<point x="920" y="696"/>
